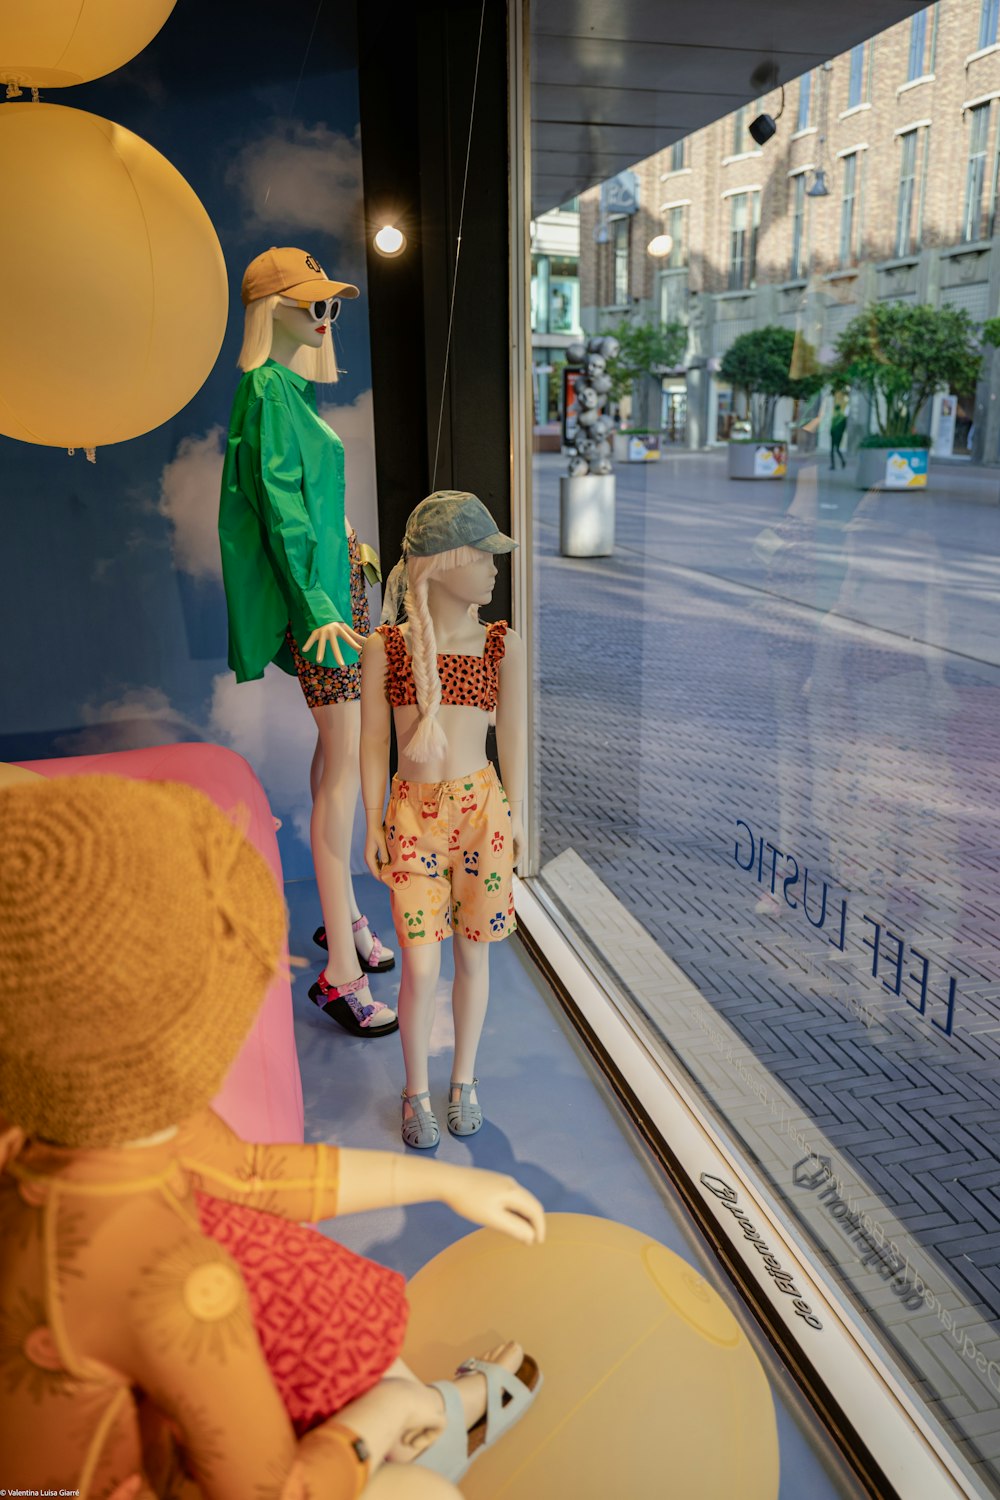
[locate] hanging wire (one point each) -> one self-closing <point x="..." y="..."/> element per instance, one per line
<point x="298" y="81"/>
<point x="458" y="248"/>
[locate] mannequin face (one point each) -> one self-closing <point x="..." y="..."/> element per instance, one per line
<point x="300" y="326"/>
<point x="472" y="582"/>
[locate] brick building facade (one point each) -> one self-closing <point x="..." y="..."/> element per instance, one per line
<point x="905" y="130"/>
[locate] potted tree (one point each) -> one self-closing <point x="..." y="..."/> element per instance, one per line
<point x="765" y="364"/>
<point x="645" y="351"/>
<point x="899" y="355"/>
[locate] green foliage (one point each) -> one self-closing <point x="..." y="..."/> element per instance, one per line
<point x="766" y="364"/>
<point x="645" y="349"/>
<point x="899" y="354"/>
<point x="884" y="440"/>
<point x="991" y="332"/>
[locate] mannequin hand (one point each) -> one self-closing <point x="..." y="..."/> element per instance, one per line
<point x="376" y="852"/>
<point x="495" y="1202"/>
<point x="517" y="835"/>
<point x="332" y="635"/>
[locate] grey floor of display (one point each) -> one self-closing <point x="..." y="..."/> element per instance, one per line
<point x="548" y="1123"/>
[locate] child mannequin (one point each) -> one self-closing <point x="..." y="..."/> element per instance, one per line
<point x="451" y="834"/>
<point x="135" y="1350"/>
<point x="292" y="567"/>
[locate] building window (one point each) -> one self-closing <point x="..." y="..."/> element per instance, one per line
<point x="677" y="258"/>
<point x="677" y="155"/>
<point x="850" y="217"/>
<point x="805" y="96"/>
<point x="744" y="222"/>
<point x="620" y="251"/>
<point x="797" y="267"/>
<point x="856" y="82"/>
<point x="739" y="132"/>
<point x="907" y="216"/>
<point x="989" y="17"/>
<point x="918" y="45"/>
<point x="975" y="173"/>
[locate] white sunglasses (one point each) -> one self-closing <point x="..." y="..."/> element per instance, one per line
<point x="326" y="311"/>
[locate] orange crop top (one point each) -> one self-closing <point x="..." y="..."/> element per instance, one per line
<point x="466" y="681"/>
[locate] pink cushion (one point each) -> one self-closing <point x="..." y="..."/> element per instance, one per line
<point x="262" y="1095"/>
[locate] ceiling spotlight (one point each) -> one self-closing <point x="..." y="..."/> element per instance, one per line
<point x="818" y="188"/>
<point x="660" y="245"/>
<point x="390" y="241"/>
<point x="762" y="128"/>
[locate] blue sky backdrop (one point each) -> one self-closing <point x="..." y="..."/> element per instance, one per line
<point x="112" y="595"/>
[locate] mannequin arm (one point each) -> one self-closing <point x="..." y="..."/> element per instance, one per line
<point x="309" y="1183"/>
<point x="512" y="717"/>
<point x="375" y="729"/>
<point x="271" y="472"/>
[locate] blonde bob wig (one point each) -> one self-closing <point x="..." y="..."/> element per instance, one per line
<point x="314" y="364"/>
<point x="428" y="738"/>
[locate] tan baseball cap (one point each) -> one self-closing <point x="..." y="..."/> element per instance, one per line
<point x="292" y="273"/>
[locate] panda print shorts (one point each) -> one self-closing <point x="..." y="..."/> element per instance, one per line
<point x="451" y="859"/>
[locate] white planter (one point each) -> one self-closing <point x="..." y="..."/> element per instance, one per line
<point x="587" y="515"/>
<point x="757" y="460"/>
<point x="899" y="468"/>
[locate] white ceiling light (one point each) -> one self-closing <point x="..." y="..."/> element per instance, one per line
<point x="389" y="240"/>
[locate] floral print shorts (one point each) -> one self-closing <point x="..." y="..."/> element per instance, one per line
<point x="320" y="684"/>
<point x="451" y="859"/>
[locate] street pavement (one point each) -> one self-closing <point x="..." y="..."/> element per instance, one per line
<point x="779" y="677"/>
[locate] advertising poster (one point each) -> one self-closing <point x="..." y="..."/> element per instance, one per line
<point x="643" y="446"/>
<point x="570" y="405"/>
<point x="944" y="427"/>
<point x="906" y="469"/>
<point x="770" y="461"/>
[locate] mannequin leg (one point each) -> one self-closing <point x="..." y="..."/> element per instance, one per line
<point x="337" y="784"/>
<point x="363" y="939"/>
<point x="421" y="969"/>
<point x="469" y="997"/>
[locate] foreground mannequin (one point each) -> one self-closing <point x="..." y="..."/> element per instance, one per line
<point x="451" y="834"/>
<point x="292" y="567"/>
<point x="133" y="1359"/>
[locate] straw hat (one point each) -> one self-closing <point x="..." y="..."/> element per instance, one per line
<point x="138" y="933"/>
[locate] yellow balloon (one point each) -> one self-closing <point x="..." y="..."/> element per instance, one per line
<point x="113" y="290"/>
<point x="51" y="43"/>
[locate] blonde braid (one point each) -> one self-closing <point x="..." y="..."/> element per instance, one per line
<point x="429" y="738"/>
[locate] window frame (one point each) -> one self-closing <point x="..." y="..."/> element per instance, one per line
<point x="742" y="266"/>
<point x="621" y="251"/>
<point x="975" y="172"/>
<point x="917" y="52"/>
<point x="676" y="228"/>
<point x="989" y="23"/>
<point x="798" y="261"/>
<point x="805" y="102"/>
<point x="907" y="195"/>
<point x="850" y="217"/>
<point x="856" y="75"/>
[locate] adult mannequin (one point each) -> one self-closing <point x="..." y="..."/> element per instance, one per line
<point x="138" y="1256"/>
<point x="449" y="866"/>
<point x="294" y="586"/>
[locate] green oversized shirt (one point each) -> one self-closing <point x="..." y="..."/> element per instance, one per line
<point x="281" y="522"/>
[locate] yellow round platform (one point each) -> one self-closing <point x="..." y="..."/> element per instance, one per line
<point x="650" y="1387"/>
